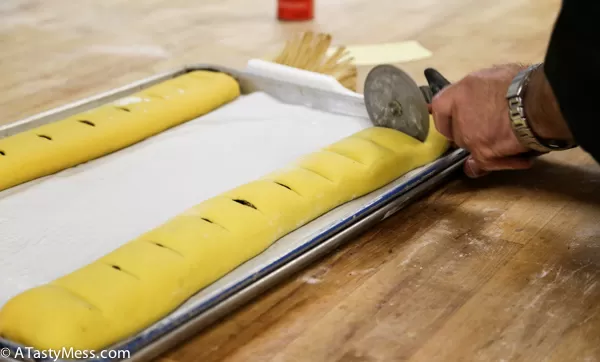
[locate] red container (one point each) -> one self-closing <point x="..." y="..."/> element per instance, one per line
<point x="295" y="10"/>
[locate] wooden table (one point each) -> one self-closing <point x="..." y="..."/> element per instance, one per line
<point x="503" y="268"/>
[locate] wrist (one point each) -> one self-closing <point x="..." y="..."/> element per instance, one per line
<point x="542" y="110"/>
<point x="534" y="114"/>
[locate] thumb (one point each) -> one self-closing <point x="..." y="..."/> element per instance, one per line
<point x="441" y="110"/>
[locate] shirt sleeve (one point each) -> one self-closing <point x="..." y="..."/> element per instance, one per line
<point x="572" y="67"/>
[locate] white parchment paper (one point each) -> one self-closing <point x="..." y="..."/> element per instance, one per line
<point x="52" y="226"/>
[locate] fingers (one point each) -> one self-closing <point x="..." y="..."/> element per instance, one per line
<point x="441" y="109"/>
<point x="472" y="114"/>
<point x="474" y="168"/>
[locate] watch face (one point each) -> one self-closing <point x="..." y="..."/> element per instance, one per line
<point x="515" y="88"/>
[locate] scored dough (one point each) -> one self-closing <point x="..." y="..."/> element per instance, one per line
<point x="141" y="282"/>
<point x="57" y="146"/>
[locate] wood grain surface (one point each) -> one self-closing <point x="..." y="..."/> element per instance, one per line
<point x="504" y="268"/>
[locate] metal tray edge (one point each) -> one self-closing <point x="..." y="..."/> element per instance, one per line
<point x="261" y="285"/>
<point x="281" y="274"/>
<point x="266" y="282"/>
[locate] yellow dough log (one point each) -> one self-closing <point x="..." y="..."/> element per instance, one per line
<point x="89" y="135"/>
<point x="144" y="280"/>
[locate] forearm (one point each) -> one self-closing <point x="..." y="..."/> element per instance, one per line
<point x="542" y="110"/>
<point x="571" y="70"/>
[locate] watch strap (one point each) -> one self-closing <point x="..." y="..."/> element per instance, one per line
<point x="518" y="120"/>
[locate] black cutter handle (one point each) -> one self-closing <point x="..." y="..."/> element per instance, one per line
<point x="437" y="82"/>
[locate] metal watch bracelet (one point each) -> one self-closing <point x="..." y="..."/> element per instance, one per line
<point x="518" y="120"/>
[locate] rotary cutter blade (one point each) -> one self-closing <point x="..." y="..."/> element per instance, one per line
<point x="394" y="100"/>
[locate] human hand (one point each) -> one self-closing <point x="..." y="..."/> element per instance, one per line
<point x="473" y="113"/>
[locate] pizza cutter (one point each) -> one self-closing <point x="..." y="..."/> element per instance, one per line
<point x="394" y="100"/>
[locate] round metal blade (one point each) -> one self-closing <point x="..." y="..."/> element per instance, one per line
<point x="394" y="100"/>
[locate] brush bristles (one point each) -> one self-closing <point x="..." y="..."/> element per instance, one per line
<point x="308" y="51"/>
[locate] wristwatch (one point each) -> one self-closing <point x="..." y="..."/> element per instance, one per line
<point x="518" y="120"/>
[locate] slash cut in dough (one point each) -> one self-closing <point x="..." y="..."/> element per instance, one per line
<point x="54" y="147"/>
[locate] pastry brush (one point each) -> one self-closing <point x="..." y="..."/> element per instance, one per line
<point x="309" y="51"/>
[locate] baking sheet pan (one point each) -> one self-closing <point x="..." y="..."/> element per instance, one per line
<point x="281" y="258"/>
